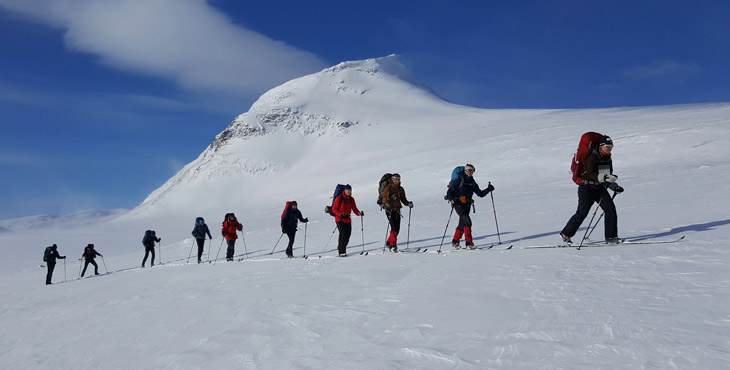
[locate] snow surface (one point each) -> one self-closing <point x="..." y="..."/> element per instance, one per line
<point x="625" y="307"/>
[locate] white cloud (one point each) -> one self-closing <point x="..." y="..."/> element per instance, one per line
<point x="186" y="41"/>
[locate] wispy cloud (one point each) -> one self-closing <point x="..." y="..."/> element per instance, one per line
<point x="665" y="69"/>
<point x="186" y="41"/>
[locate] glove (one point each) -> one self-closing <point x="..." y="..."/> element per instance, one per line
<point x="608" y="178"/>
<point x="362" y="214"/>
<point x="283" y="231"/>
<point x="410" y="204"/>
<point x="446" y="198"/>
<point x="223" y="234"/>
<point x="490" y="188"/>
<point x="306" y="220"/>
<point x="618" y="189"/>
<point x="62" y="257"/>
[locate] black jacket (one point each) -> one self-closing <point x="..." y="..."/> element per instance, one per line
<point x="53" y="255"/>
<point x="464" y="186"/>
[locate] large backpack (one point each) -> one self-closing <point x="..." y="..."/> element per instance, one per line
<point x="588" y="142"/>
<point x="384" y="180"/>
<point x="225" y="218"/>
<point x="456" y="172"/>
<point x="47" y="254"/>
<point x="149" y="234"/>
<point x="338" y="190"/>
<point x="286" y="208"/>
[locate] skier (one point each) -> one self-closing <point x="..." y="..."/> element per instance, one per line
<point x="148" y="241"/>
<point x="459" y="194"/>
<point x="199" y="232"/>
<point x="597" y="178"/>
<point x="343" y="205"/>
<point x="393" y="196"/>
<point x="50" y="257"/>
<point x="289" y="222"/>
<point x="89" y="255"/>
<point x="229" y="231"/>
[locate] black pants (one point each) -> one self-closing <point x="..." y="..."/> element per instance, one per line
<point x="463" y="209"/>
<point x="345" y="232"/>
<point x="201" y="248"/>
<point x="291" y="234"/>
<point x="231" y="250"/>
<point x="587" y="196"/>
<point x="394" y="218"/>
<point x="147" y="251"/>
<point x="96" y="267"/>
<point x="49" y="275"/>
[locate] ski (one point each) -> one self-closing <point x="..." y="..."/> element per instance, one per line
<point x="482" y="247"/>
<point x="599" y="245"/>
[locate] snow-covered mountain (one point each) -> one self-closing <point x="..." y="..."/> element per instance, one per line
<point x="650" y="306"/>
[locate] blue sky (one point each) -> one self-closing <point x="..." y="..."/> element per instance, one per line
<point x="102" y="101"/>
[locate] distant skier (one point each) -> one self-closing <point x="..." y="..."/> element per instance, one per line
<point x="49" y="256"/>
<point x="393" y="196"/>
<point x="460" y="193"/>
<point x="342" y="207"/>
<point x="597" y="178"/>
<point x="289" y="222"/>
<point x="199" y="232"/>
<point x="148" y="241"/>
<point x="89" y="255"/>
<point x="231" y="226"/>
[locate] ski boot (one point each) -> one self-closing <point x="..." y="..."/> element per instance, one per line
<point x="566" y="239"/>
<point x="470" y="245"/>
<point x="614" y="240"/>
<point x="455" y="244"/>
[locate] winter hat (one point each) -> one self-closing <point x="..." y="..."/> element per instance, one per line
<point x="348" y="187"/>
<point x="469" y="168"/>
<point x="606" y="140"/>
<point x="293" y="202"/>
<point x="90" y="246"/>
<point x="54" y="246"/>
<point x="395" y="176"/>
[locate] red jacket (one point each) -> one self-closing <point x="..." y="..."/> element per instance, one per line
<point x="346" y="205"/>
<point x="230" y="228"/>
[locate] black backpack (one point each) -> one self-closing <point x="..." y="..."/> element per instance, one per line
<point x="47" y="254"/>
<point x="384" y="180"/>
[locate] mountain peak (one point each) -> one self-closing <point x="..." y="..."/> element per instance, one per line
<point x="313" y="104"/>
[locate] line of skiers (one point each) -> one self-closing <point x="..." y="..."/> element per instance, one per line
<point x="592" y="169"/>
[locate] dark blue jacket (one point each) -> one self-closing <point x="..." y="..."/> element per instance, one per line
<point x="200" y="230"/>
<point x="291" y="216"/>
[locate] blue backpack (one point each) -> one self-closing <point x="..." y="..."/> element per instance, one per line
<point x="456" y="172"/>
<point x="338" y="190"/>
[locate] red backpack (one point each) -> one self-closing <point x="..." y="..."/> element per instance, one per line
<point x="588" y="141"/>
<point x="286" y="207"/>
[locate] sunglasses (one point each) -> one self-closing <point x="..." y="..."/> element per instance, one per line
<point x="470" y="171"/>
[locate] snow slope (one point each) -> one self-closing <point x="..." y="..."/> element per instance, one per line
<point x="626" y="307"/>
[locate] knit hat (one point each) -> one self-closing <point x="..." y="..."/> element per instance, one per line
<point x="606" y="140"/>
<point x="293" y="203"/>
<point x="348" y="187"/>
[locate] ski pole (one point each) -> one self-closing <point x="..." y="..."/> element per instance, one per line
<point x="447" y="228"/>
<point x="159" y="260"/>
<point x="362" y="232"/>
<point x="210" y="241"/>
<point x="81" y="262"/>
<point x="599" y="220"/>
<point x="191" y="251"/>
<point x="387" y="228"/>
<point x="277" y="243"/>
<point x="102" y="261"/>
<point x="329" y="240"/>
<point x="244" y="243"/>
<point x="64" y="270"/>
<point x="219" y="252"/>
<point x="408" y="239"/>
<point x="495" y="216"/>
<point x="305" y="240"/>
